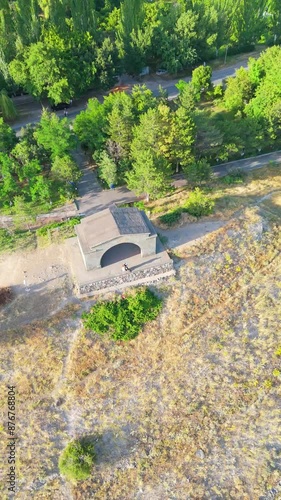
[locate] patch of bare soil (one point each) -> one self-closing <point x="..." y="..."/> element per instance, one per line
<point x="40" y="283"/>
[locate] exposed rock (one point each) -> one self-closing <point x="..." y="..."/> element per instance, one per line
<point x="128" y="277"/>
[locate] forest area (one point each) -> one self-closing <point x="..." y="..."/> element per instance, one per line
<point x="60" y="50"/>
<point x="141" y="140"/>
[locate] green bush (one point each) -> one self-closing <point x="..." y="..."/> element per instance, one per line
<point x="123" y="318"/>
<point x="140" y="205"/>
<point x="76" y="460"/>
<point x="15" y="240"/>
<point x="43" y="231"/>
<point x="172" y="217"/>
<point x="198" y="204"/>
<point x="198" y="172"/>
<point x="234" y="177"/>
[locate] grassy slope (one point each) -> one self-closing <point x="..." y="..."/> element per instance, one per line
<point x="199" y="380"/>
<point x="261" y="187"/>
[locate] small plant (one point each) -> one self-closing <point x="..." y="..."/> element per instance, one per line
<point x="278" y="352"/>
<point x="123" y="318"/>
<point x="235" y="176"/>
<point x="76" y="460"/>
<point x="43" y="231"/>
<point x="198" y="204"/>
<point x="140" y="205"/>
<point x="172" y="217"/>
<point x="276" y="372"/>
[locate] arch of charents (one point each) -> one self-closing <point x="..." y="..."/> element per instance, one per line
<point x="113" y="235"/>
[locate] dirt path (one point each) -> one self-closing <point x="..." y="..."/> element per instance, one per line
<point x="41" y="282"/>
<point x="190" y="233"/>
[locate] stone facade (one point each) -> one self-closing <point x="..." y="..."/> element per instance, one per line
<point x="131" y="278"/>
<point x="111" y="227"/>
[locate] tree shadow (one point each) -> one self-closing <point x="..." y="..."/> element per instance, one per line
<point x="111" y="446"/>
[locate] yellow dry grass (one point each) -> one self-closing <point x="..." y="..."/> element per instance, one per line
<point x="188" y="409"/>
<point x="261" y="186"/>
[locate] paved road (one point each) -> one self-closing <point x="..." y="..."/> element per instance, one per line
<point x="92" y="198"/>
<point x="30" y="110"/>
<point x="218" y="76"/>
<point x="247" y="164"/>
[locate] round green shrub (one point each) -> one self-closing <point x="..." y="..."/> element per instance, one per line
<point x="123" y="318"/>
<point x="198" y="204"/>
<point x="76" y="460"/>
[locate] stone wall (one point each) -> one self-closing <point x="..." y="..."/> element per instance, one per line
<point x="134" y="277"/>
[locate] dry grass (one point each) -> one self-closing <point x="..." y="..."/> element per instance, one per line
<point x="261" y="186"/>
<point x="189" y="409"/>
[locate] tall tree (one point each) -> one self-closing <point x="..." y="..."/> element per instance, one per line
<point x="59" y="66"/>
<point x="89" y="125"/>
<point x="7" y="37"/>
<point x="150" y="175"/>
<point x="183" y="138"/>
<point x="8" y="137"/>
<point x="132" y="16"/>
<point x="201" y="79"/>
<point x="27" y="21"/>
<point x="83" y="15"/>
<point x="54" y="134"/>
<point x="239" y="91"/>
<point x="120" y="123"/>
<point x="7" y="106"/>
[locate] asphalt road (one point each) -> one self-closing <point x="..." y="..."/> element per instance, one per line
<point x="30" y="110"/>
<point x="247" y="164"/>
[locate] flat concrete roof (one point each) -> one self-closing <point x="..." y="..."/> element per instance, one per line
<point x="109" y="224"/>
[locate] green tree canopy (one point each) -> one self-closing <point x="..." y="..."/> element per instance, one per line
<point x="89" y="125"/>
<point x="239" y="91"/>
<point x="7" y="106"/>
<point x="76" y="460"/>
<point x="65" y="169"/>
<point x="107" y="168"/>
<point x="150" y="175"/>
<point x="8" y="137"/>
<point x="201" y="79"/>
<point x="54" y="134"/>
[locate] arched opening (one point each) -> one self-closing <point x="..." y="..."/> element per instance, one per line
<point x="119" y="253"/>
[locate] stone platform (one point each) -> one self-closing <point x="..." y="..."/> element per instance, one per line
<point x="110" y="278"/>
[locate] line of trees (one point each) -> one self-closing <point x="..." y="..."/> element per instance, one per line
<point x="60" y="49"/>
<point x="141" y="140"/>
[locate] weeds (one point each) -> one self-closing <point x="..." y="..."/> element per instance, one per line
<point x="16" y="240"/>
<point x="65" y="227"/>
<point x="235" y="176"/>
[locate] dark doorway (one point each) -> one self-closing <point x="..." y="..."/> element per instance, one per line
<point x="119" y="253"/>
